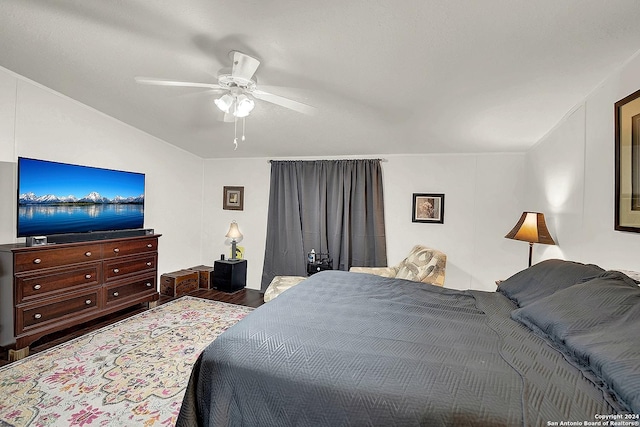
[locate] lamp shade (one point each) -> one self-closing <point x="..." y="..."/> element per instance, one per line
<point x="225" y="102"/>
<point x="531" y="228"/>
<point x="234" y="232"/>
<point x="244" y="105"/>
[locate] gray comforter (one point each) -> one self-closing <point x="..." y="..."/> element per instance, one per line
<point x="348" y="349"/>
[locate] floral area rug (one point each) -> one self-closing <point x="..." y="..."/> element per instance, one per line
<point x="131" y="373"/>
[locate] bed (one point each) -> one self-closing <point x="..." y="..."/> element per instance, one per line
<point x="557" y="343"/>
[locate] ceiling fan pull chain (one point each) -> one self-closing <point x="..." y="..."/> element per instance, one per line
<point x="235" y="133"/>
<point x="243" y="121"/>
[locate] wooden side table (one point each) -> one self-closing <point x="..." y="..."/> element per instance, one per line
<point x="229" y="275"/>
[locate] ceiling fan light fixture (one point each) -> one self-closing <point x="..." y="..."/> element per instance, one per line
<point x="244" y="106"/>
<point x="224" y="103"/>
<point x="239" y="84"/>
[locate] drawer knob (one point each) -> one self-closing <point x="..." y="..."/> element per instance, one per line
<point x="88" y="302"/>
<point x="37" y="261"/>
<point x="87" y="276"/>
<point x="37" y="316"/>
<point x="37" y="287"/>
<point x="87" y="253"/>
<point x="115" y="294"/>
<point x="149" y="264"/>
<point x="116" y="270"/>
<point x="149" y="245"/>
<point x="116" y="250"/>
<point x="148" y="285"/>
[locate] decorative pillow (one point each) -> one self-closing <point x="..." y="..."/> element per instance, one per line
<point x="545" y="278"/>
<point x="423" y="265"/>
<point x="596" y="323"/>
<point x="417" y="269"/>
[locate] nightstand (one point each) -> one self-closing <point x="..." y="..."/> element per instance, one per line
<point x="229" y="275"/>
<point x="316" y="267"/>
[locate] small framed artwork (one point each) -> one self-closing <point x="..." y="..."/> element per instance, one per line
<point x="428" y="207"/>
<point x="627" y="163"/>
<point x="233" y="198"/>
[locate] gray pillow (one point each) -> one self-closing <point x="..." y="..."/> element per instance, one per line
<point x="596" y="323"/>
<point x="545" y="278"/>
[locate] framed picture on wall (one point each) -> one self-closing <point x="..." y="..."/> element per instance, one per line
<point x="233" y="198"/>
<point x="627" y="163"/>
<point x="428" y="207"/>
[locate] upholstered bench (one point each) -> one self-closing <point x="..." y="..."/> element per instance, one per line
<point x="279" y="284"/>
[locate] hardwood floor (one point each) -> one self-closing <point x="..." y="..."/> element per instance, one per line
<point x="246" y="297"/>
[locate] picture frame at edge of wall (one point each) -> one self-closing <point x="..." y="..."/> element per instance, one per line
<point x="627" y="163"/>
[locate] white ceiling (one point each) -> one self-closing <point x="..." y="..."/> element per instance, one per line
<point x="387" y="76"/>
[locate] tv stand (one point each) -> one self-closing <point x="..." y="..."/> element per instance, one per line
<point x="48" y="288"/>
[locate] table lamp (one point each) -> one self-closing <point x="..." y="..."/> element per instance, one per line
<point x="531" y="228"/>
<point x="235" y="235"/>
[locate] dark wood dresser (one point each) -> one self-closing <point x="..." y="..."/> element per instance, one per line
<point x="53" y="287"/>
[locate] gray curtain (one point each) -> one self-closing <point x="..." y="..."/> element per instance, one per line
<point x="333" y="206"/>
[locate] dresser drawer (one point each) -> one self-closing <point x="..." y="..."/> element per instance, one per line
<point x="122" y="267"/>
<point x="55" y="257"/>
<point x="118" y="293"/>
<point x="34" y="315"/>
<point x="33" y="286"/>
<point x="133" y="247"/>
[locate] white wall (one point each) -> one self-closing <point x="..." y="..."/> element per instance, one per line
<point x="253" y="175"/>
<point x="555" y="185"/>
<point x="40" y="123"/>
<point x="483" y="197"/>
<point x="8" y="86"/>
<point x="482" y="203"/>
<point x="571" y="177"/>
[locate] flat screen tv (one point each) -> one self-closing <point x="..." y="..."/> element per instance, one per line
<point x="59" y="198"/>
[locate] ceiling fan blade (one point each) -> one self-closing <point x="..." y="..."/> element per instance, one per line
<point x="160" y="82"/>
<point x="284" y="102"/>
<point x="244" y="66"/>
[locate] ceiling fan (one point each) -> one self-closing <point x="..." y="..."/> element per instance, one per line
<point x="239" y="87"/>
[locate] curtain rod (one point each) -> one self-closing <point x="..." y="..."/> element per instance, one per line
<point x="301" y="160"/>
